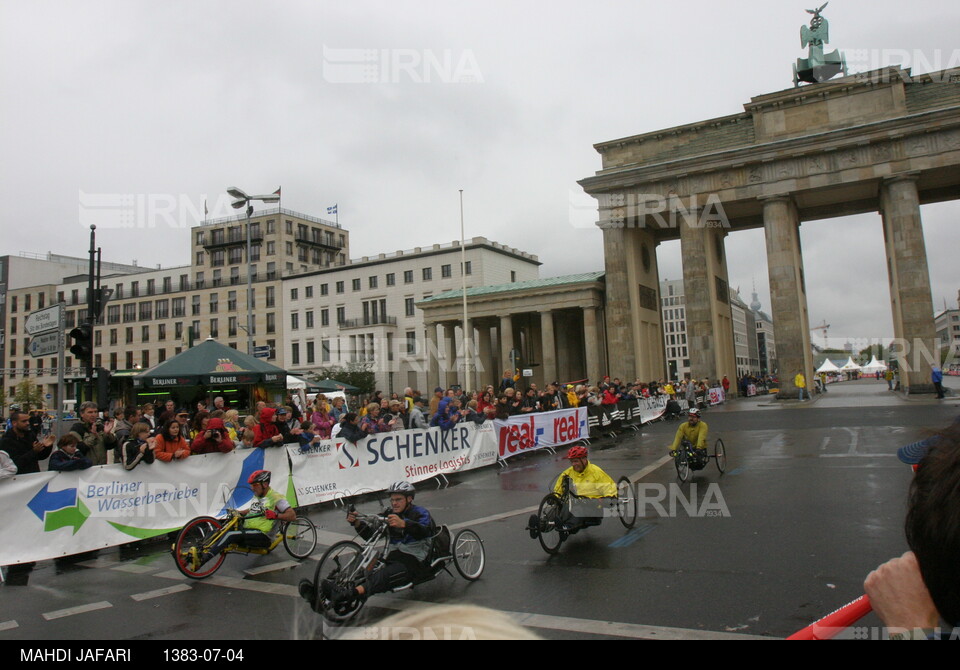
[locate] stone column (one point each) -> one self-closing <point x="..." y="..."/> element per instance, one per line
<point x="506" y="343"/>
<point x="549" y="345"/>
<point x="449" y="354"/>
<point x="591" y="343"/>
<point x="486" y="371"/>
<point x="620" y="336"/>
<point x="788" y="295"/>
<point x="910" y="297"/>
<point x="432" y="358"/>
<point x="707" y="296"/>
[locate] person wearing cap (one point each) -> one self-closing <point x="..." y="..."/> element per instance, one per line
<point x="417" y="420"/>
<point x="914" y="593"/>
<point x="913" y="453"/>
<point x="693" y="431"/>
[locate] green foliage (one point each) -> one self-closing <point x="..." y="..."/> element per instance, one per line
<point x="877" y="350"/>
<point x="356" y="374"/>
<point x="28" y="395"/>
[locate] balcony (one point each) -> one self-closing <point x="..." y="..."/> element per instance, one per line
<point x="231" y="240"/>
<point x="349" y="324"/>
<point x="308" y="240"/>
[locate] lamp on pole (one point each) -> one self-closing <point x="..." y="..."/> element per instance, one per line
<point x="241" y="199"/>
<point x="467" y="353"/>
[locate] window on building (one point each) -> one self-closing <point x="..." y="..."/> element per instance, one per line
<point x="324" y="289"/>
<point x="113" y="336"/>
<point x="324" y="351"/>
<point x="179" y="307"/>
<point x="391" y="279"/>
<point x="294" y="293"/>
<point x="310" y="354"/>
<point x="356" y="284"/>
<point x="295" y="353"/>
<point x="341" y="315"/>
<point x="408" y="306"/>
<point x="324" y="318"/>
<point x="446" y="271"/>
<point x="468" y="268"/>
<point x="214" y="328"/>
<point x="308" y="292"/>
<point x="129" y="312"/>
<point x="309" y="319"/>
<point x="339" y="287"/>
<point x="427" y="274"/>
<point x="271" y="296"/>
<point x="408" y="276"/>
<point x="214" y="303"/>
<point x="294" y="321"/>
<point x="128" y="335"/>
<point x="232" y="301"/>
<point x="144" y="333"/>
<point x="271" y="322"/>
<point x="195" y="307"/>
<point x="146" y="311"/>
<point x="373" y="282"/>
<point x="161" y="332"/>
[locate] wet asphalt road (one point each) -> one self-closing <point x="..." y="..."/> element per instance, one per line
<point x="812" y="500"/>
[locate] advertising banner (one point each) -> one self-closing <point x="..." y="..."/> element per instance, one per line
<point x="52" y="514"/>
<point x="715" y="396"/>
<point x="528" y="432"/>
<point x="338" y="468"/>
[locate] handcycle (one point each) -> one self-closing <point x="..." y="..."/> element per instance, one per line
<point x="555" y="509"/>
<point x="688" y="459"/>
<point x="192" y="548"/>
<point x="347" y="564"/>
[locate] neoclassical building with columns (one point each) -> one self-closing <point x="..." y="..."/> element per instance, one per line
<point x="884" y="141"/>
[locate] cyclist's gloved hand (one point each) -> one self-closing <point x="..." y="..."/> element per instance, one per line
<point x="270" y="514"/>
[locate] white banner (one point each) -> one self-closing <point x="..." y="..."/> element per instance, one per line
<point x="651" y="408"/>
<point x="52" y="514"/>
<point x="715" y="396"/>
<point x="528" y="432"/>
<point x="338" y="468"/>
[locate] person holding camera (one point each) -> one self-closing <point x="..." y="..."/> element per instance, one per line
<point x="214" y="439"/>
<point x="93" y="434"/>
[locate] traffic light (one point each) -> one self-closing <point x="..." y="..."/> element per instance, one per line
<point x="82" y="342"/>
<point x="103" y="389"/>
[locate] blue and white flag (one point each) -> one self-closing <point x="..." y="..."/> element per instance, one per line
<point x="332" y="210"/>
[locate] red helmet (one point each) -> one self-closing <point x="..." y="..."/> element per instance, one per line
<point x="259" y="477"/>
<point x="578" y="451"/>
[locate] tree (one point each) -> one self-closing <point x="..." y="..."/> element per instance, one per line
<point x="356" y="374"/>
<point x="877" y="350"/>
<point x="28" y="395"/>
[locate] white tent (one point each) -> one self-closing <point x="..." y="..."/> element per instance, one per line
<point x="850" y="366"/>
<point x="828" y="366"/>
<point x="874" y="366"/>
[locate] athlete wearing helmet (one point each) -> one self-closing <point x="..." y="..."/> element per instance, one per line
<point x="693" y="431"/>
<point x="262" y="518"/>
<point x="411" y="531"/>
<point x="586" y="480"/>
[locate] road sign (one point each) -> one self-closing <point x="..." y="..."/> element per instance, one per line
<point x="44" y="345"/>
<point x="43" y="320"/>
<point x="262" y="351"/>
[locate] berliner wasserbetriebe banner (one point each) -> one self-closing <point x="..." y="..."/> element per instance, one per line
<point x="52" y="514"/>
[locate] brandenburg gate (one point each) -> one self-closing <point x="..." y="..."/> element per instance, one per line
<point x="883" y="141"/>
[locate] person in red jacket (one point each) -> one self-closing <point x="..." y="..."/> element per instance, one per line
<point x="215" y="439"/>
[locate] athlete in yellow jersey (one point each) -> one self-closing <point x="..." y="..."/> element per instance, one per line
<point x="586" y="481"/>
<point x="694" y="431"/>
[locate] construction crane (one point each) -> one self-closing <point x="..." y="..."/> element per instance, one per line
<point x="824" y="327"/>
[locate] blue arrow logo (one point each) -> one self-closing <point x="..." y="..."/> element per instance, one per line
<point x="241" y="490"/>
<point x="47" y="501"/>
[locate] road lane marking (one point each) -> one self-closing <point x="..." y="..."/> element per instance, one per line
<point x="8" y="625"/>
<point x="272" y="567"/>
<point x="147" y="595"/>
<point x="134" y="568"/>
<point x="632" y="536"/>
<point x="80" y="609"/>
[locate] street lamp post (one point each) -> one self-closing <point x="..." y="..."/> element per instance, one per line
<point x="467" y="339"/>
<point x="241" y="199"/>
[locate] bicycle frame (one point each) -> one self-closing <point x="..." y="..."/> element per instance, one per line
<point x="234" y="522"/>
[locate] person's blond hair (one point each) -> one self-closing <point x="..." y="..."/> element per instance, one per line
<point x="453" y="622"/>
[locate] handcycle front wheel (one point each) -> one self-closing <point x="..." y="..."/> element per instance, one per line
<point x="626" y="503"/>
<point x="468" y="555"/>
<point x="340" y="566"/>
<point x="300" y="537"/>
<point x="192" y="541"/>
<point x="720" y="453"/>
<point x="683" y="464"/>
<point x="548" y="518"/>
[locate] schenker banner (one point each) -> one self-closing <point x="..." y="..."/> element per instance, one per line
<point x="528" y="432"/>
<point x="52" y="514"/>
<point x="338" y="468"/>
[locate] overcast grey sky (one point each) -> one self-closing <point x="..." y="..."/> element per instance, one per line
<point x="169" y="102"/>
